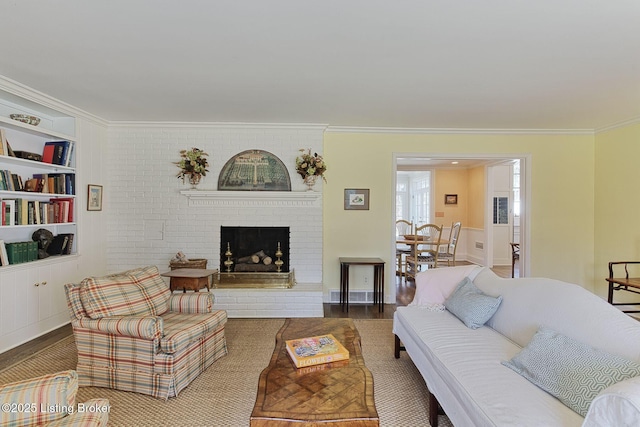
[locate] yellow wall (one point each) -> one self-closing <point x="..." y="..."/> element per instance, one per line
<point x="562" y="197"/>
<point x="617" y="196"/>
<point x="477" y="190"/>
<point x="450" y="181"/>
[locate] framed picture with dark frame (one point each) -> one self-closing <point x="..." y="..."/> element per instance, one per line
<point x="450" y="199"/>
<point x="356" y="199"/>
<point x="94" y="197"/>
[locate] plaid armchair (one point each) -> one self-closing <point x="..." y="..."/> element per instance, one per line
<point x="133" y="334"/>
<point x="50" y="401"/>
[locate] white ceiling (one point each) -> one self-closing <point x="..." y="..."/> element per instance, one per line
<point x="483" y="64"/>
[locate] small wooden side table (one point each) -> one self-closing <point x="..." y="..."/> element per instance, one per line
<point x="626" y="283"/>
<point x="192" y="279"/>
<point x="378" y="280"/>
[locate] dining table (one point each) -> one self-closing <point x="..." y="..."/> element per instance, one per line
<point x="414" y="244"/>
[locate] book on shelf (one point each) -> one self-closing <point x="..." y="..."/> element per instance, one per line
<point x="57" y="152"/>
<point x="61" y="245"/>
<point x="316" y="350"/>
<point x="9" y="206"/>
<point x="19" y="252"/>
<point x="3" y="143"/>
<point x="4" y="258"/>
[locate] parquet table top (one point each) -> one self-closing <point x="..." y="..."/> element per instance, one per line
<point x="328" y="395"/>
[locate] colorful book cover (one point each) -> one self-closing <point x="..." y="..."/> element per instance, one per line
<point x="316" y="350"/>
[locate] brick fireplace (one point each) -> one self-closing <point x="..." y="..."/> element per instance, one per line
<point x="301" y="213"/>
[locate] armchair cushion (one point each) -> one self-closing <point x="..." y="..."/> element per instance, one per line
<point x="159" y="293"/>
<point x="183" y="328"/>
<point x="132" y="293"/>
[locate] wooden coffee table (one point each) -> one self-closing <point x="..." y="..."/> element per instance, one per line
<point x="328" y="395"/>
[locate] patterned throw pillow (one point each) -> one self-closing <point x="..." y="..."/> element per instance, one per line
<point x="472" y="306"/>
<point x="571" y="371"/>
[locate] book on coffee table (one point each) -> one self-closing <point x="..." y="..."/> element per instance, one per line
<point x="316" y="350"/>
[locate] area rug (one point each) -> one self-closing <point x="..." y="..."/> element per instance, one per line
<point x="225" y="393"/>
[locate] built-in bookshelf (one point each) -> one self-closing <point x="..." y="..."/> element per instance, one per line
<point x="37" y="178"/>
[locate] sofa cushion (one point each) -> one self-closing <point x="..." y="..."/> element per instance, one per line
<point x="461" y="366"/>
<point x="434" y="286"/>
<point x="570" y="370"/>
<point x="471" y="305"/>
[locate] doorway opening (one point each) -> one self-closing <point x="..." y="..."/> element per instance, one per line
<point x="472" y="182"/>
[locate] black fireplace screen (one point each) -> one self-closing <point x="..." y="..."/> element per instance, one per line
<point x="254" y="249"/>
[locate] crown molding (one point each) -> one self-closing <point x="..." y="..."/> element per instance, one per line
<point x="221" y="125"/>
<point x="618" y="125"/>
<point x="18" y="89"/>
<point x="452" y="131"/>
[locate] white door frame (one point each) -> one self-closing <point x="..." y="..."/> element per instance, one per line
<point x="525" y="205"/>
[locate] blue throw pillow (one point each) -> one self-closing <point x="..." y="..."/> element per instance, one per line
<point x="472" y="306"/>
<point x="572" y="371"/>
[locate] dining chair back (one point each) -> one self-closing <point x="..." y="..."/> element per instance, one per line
<point x="515" y="255"/>
<point x="403" y="228"/>
<point x="450" y="255"/>
<point x="425" y="248"/>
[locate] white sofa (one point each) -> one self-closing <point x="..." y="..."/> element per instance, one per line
<point x="463" y="367"/>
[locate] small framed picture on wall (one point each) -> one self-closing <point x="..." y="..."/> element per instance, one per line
<point x="94" y="199"/>
<point x="450" y="199"/>
<point x="356" y="199"/>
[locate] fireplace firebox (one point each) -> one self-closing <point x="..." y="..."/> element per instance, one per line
<point x="254" y="249"/>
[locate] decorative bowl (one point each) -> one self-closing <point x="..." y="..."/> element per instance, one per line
<point x="25" y="118"/>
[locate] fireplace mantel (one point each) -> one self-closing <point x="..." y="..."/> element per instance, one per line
<point x="252" y="198"/>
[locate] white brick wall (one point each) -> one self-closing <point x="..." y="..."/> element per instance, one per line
<point x="149" y="220"/>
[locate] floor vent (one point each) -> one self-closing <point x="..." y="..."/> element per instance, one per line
<point x="355" y="297"/>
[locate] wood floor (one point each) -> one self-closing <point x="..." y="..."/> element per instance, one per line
<point x="405" y="290"/>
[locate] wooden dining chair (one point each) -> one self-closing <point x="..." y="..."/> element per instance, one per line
<point x="425" y="248"/>
<point x="450" y="255"/>
<point x="515" y="255"/>
<point x="403" y="228"/>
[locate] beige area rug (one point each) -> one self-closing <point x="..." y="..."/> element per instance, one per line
<point x="225" y="393"/>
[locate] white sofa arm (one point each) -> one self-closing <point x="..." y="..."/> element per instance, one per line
<point x="617" y="405"/>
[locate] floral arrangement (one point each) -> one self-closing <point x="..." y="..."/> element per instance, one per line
<point x="310" y="165"/>
<point x="193" y="163"/>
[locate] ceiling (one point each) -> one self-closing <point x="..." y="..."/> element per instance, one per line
<point x="491" y="64"/>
